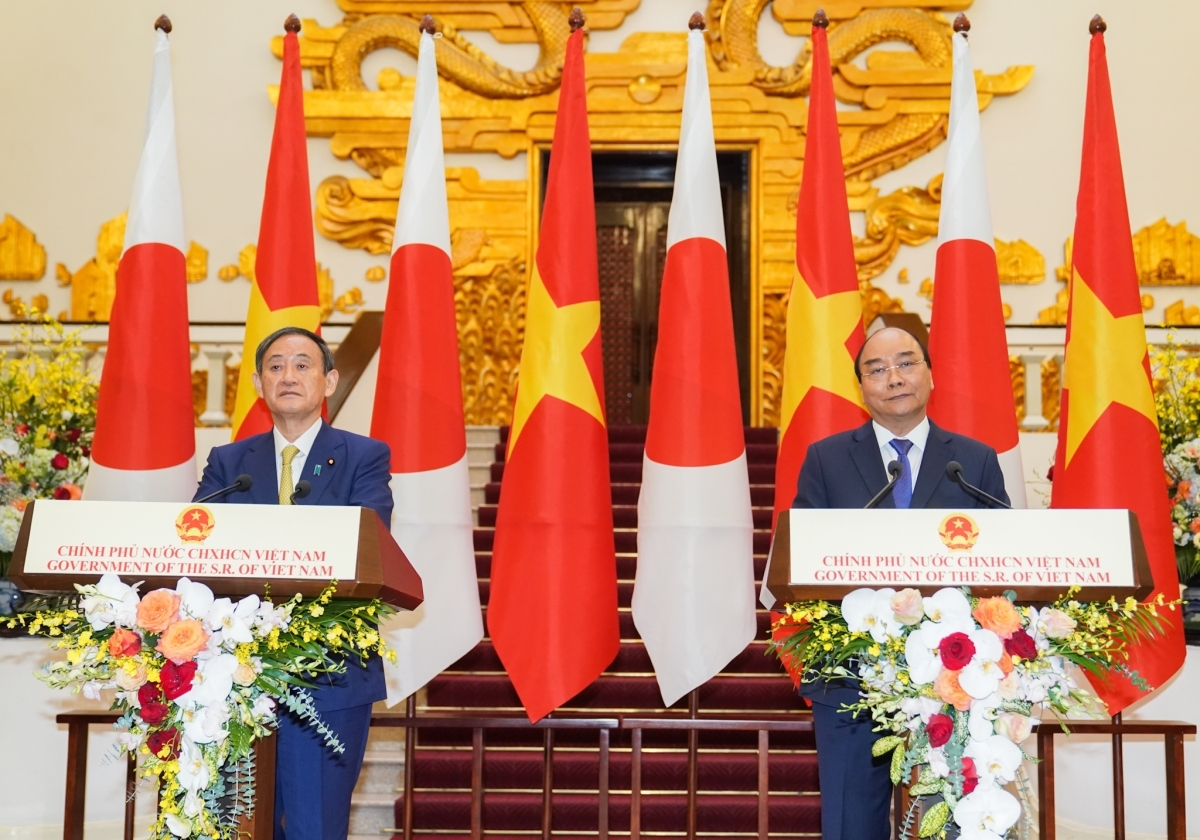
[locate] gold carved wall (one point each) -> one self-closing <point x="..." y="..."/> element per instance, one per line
<point x="895" y="98"/>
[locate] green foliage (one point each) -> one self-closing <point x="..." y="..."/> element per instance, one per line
<point x="934" y="820"/>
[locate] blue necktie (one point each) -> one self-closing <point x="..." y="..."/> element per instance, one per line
<point x="902" y="492"/>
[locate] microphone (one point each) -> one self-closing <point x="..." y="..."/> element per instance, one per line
<point x="894" y="471"/>
<point x="955" y="473"/>
<point x="303" y="488"/>
<point x="240" y="485"/>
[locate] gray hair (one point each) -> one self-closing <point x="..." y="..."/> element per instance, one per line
<point x="265" y="344"/>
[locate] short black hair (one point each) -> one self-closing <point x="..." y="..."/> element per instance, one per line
<point x="920" y="343"/>
<point x="265" y="344"/>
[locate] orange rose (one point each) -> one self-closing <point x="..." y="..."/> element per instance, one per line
<point x="183" y="640"/>
<point x="998" y="615"/>
<point x="1006" y="663"/>
<point x="19" y="504"/>
<point x="947" y="687"/>
<point x="124" y="642"/>
<point x="158" y="610"/>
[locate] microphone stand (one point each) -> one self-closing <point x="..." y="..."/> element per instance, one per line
<point x="894" y="470"/>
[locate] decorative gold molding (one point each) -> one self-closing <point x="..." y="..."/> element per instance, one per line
<point x="1167" y="255"/>
<point x="1178" y="314"/>
<point x="898" y="98"/>
<point x="22" y="257"/>
<point x="1019" y="263"/>
<point x="1057" y="314"/>
<point x="95" y="283"/>
<point x="197" y="263"/>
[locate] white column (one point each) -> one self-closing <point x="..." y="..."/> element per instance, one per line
<point x="214" y="400"/>
<point x="1034" y="421"/>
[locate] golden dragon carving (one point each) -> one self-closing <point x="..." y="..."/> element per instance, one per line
<point x="457" y="58"/>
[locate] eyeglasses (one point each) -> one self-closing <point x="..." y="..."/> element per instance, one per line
<point x="878" y="374"/>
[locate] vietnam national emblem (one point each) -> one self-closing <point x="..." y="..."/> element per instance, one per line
<point x="959" y="532"/>
<point x="195" y="523"/>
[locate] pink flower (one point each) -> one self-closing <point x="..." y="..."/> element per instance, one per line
<point x="908" y="607"/>
<point x="1056" y="624"/>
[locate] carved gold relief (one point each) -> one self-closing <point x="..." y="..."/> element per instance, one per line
<point x="1178" y="314"/>
<point x="350" y="301"/>
<point x="376" y="274"/>
<point x="1051" y="392"/>
<point x="1016" y="372"/>
<point x="1019" y="263"/>
<point x="200" y="391"/>
<point x="489" y="300"/>
<point x="18" y="308"/>
<point x="197" y="263"/>
<point x="774" y="343"/>
<point x="245" y="268"/>
<point x="898" y="104"/>
<point x="21" y="256"/>
<point x="93" y="285"/>
<point x="1167" y="255"/>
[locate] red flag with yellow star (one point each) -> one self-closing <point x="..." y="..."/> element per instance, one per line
<point x="552" y="612"/>
<point x="284" y="290"/>
<point x="1109" y="454"/>
<point x="824" y="319"/>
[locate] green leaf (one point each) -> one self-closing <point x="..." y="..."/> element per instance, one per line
<point x="934" y="820"/>
<point x="927" y="784"/>
<point x="898" y="764"/>
<point x="885" y="745"/>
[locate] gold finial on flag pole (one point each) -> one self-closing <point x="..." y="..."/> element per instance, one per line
<point x="1097" y="25"/>
<point x="292" y="24"/>
<point x="696" y="21"/>
<point x="962" y="23"/>
<point x="576" y="19"/>
<point x="427" y="26"/>
<point x="821" y="19"/>
<point x="163" y="23"/>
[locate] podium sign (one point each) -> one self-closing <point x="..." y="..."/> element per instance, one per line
<point x="233" y="548"/>
<point x="1038" y="553"/>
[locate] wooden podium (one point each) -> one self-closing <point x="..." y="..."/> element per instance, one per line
<point x="234" y="549"/>
<point x="1039" y="554"/>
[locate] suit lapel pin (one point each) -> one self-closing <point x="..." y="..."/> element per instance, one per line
<point x="330" y="462"/>
<point x="317" y="469"/>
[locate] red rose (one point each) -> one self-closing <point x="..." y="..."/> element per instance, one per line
<point x="21" y="429"/>
<point x="1021" y="644"/>
<point x="62" y="494"/>
<point x="154" y="712"/>
<point x="177" y="679"/>
<point x="168" y="739"/>
<point x="150" y="693"/>
<point x="970" y="775"/>
<point x="73" y="434"/>
<point x="60" y="461"/>
<point x="956" y="650"/>
<point x="85" y="450"/>
<point x="939" y="729"/>
<point x="1050" y="473"/>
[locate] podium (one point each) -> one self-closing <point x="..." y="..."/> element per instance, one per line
<point x="234" y="549"/>
<point x="1039" y="554"/>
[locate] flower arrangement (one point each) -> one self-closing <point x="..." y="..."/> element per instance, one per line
<point x="1177" y="404"/>
<point x="956" y="681"/>
<point x="47" y="416"/>
<point x="199" y="679"/>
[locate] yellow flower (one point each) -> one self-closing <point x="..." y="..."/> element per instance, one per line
<point x="315" y="610"/>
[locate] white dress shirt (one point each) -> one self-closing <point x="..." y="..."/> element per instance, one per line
<point x="919" y="437"/>
<point x="305" y="444"/>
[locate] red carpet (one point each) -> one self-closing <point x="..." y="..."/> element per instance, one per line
<point x="752" y="685"/>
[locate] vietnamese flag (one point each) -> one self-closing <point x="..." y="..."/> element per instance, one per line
<point x="1109" y="455"/>
<point x="967" y="341"/>
<point x="821" y="396"/>
<point x="553" y="608"/>
<point x="145" y="441"/>
<point x="284" y="292"/>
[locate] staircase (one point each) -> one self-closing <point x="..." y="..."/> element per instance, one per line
<point x="752" y="685"/>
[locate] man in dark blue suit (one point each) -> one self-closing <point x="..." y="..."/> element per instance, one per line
<point x="294" y="375"/>
<point x="846" y="470"/>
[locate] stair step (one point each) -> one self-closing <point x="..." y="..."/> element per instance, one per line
<point x="735" y="812"/>
<point x="611" y="694"/>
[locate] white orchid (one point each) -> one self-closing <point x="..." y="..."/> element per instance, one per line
<point x="212" y="683"/>
<point x="268" y="617"/>
<point x="178" y="826"/>
<point x="193" y="770"/>
<point x="949" y="605"/>
<point x="981" y="676"/>
<point x="937" y="763"/>
<point x="263" y="709"/>
<point x="870" y="611"/>
<point x="109" y="602"/>
<point x="981" y="723"/>
<point x="920" y="709"/>
<point x="921" y="646"/>
<point x="193" y="804"/>
<point x="233" y="620"/>
<point x="195" y="599"/>
<point x="996" y="758"/>
<point x="206" y="724"/>
<point x="988" y="812"/>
